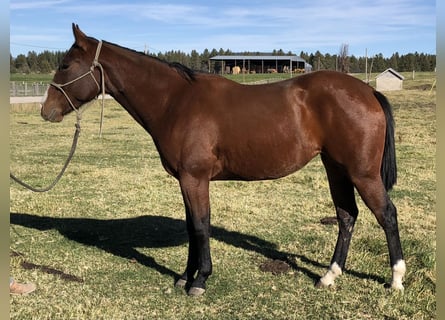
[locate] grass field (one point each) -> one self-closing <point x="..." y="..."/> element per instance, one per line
<point x="32" y="77"/>
<point x="108" y="241"/>
<point x="424" y="78"/>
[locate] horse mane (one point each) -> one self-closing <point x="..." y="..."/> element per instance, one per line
<point x="187" y="73"/>
<point x="183" y="70"/>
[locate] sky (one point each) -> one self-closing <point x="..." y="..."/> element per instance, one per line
<point x="366" y="26"/>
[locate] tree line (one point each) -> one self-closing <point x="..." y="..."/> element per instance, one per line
<point x="48" y="61"/>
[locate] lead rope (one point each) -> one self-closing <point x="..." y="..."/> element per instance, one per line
<point x="97" y="64"/>
<point x="78" y="118"/>
<point x="59" y="176"/>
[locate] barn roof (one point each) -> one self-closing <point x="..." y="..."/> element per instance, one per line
<point x="258" y="57"/>
<point x="390" y="71"/>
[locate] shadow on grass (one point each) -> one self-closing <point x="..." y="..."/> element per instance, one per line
<point x="121" y="237"/>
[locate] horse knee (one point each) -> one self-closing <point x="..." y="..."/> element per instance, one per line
<point x="387" y="218"/>
<point x="390" y="215"/>
<point x="346" y="221"/>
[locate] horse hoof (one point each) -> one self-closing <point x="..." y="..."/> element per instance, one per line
<point x="196" y="292"/>
<point x="397" y="287"/>
<point x="320" y="284"/>
<point x="181" y="283"/>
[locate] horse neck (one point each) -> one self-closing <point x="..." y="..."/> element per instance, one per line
<point x="141" y="84"/>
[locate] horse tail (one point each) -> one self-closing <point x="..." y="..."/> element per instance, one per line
<point x="388" y="170"/>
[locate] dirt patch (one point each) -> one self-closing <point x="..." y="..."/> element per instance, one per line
<point x="275" y="266"/>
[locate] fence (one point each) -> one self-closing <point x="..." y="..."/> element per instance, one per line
<point x="24" y="89"/>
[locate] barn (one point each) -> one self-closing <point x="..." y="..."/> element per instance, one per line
<point x="260" y="64"/>
<point x="389" y="80"/>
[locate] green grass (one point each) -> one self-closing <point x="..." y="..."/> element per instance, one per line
<point x="31" y="77"/>
<point x="115" y="221"/>
<point x="47" y="78"/>
<point x="421" y="81"/>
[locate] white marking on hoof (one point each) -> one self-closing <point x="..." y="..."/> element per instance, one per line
<point x="329" y="278"/>
<point x="398" y="272"/>
<point x="195" y="292"/>
<point x="180" y="283"/>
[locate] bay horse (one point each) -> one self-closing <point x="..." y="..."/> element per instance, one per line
<point x="206" y="128"/>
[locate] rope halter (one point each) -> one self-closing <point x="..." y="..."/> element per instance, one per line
<point x="101" y="89"/>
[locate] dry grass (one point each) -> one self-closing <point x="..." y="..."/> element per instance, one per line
<point x="115" y="221"/>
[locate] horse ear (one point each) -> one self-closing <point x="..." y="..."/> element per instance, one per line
<point x="79" y="36"/>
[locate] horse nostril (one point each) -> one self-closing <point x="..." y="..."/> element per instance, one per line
<point x="52" y="115"/>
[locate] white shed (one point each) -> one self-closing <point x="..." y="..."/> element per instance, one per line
<point x="389" y="80"/>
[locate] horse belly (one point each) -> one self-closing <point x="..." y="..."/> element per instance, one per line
<point x="262" y="161"/>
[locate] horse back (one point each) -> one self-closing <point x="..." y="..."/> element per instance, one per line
<point x="254" y="132"/>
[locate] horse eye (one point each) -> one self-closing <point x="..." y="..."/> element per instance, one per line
<point x="64" y="66"/>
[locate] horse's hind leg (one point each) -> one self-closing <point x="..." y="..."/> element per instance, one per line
<point x="376" y="198"/>
<point x="342" y="192"/>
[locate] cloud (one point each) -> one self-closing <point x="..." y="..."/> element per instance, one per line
<point x="290" y="25"/>
<point x="26" y="5"/>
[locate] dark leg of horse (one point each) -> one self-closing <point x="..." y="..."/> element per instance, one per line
<point x="342" y="191"/>
<point x="386" y="214"/>
<point x="196" y="199"/>
<point x="192" y="259"/>
<point x="394" y="246"/>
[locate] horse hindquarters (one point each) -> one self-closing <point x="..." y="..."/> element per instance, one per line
<point x="370" y="167"/>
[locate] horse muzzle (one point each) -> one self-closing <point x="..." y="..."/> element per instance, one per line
<point x="52" y="114"/>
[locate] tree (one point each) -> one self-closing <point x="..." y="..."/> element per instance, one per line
<point x="379" y="63"/>
<point x="329" y="62"/>
<point x="354" y="65"/>
<point x="394" y="61"/>
<point x="45" y="67"/>
<point x="21" y="64"/>
<point x="195" y="60"/>
<point x="48" y="61"/>
<point x="343" y="58"/>
<point x="205" y="60"/>
<point x="32" y="61"/>
<point x="12" y="68"/>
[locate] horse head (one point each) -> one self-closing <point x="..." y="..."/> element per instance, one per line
<point x="76" y="81"/>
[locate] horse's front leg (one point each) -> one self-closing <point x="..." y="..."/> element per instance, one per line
<point x="192" y="260"/>
<point x="196" y="200"/>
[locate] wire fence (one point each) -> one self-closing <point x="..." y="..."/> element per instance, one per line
<point x="27" y="89"/>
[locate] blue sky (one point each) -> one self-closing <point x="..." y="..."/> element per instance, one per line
<point x="383" y="26"/>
